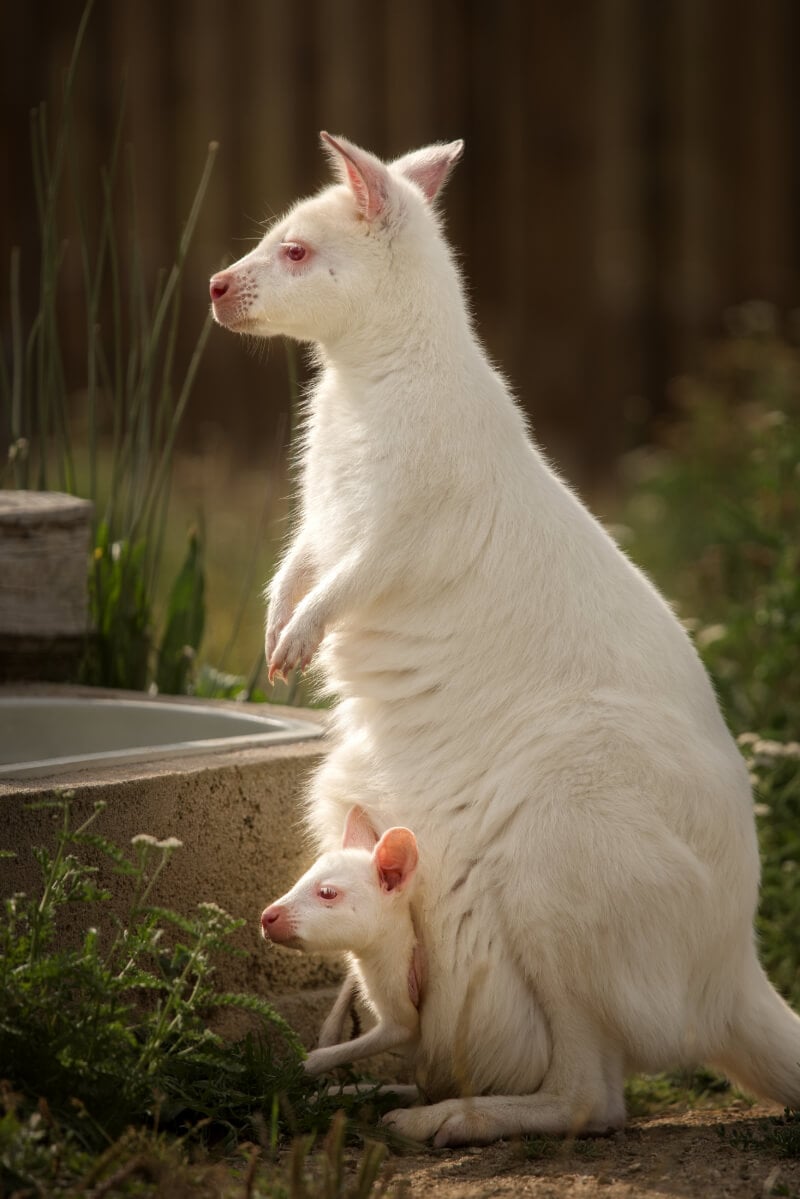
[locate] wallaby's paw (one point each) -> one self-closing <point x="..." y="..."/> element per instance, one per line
<point x="315" y="1063"/>
<point x="467" y="1127"/>
<point x="452" y="1122"/>
<point x="271" y="638"/>
<point x="296" y="646"/>
<point x="480" y="1121"/>
<point x="279" y="616"/>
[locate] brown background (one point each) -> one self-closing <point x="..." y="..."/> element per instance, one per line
<point x="632" y="169"/>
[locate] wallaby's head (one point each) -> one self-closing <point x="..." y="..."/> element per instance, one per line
<point x="323" y="269"/>
<point x="349" y="898"/>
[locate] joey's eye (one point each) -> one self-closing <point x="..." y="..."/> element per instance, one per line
<point x="294" y="251"/>
<point x="327" y="892"/>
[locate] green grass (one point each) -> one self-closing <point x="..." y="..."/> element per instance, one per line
<point x="40" y="1156"/>
<point x="779" y="1135"/>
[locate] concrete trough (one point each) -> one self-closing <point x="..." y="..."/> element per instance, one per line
<point x="237" y="809"/>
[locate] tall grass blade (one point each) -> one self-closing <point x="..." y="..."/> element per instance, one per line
<point x="19" y="430"/>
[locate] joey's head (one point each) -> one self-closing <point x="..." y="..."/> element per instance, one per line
<point x="329" y="264"/>
<point x="349" y="898"/>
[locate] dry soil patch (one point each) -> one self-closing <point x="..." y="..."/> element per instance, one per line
<point x="670" y="1155"/>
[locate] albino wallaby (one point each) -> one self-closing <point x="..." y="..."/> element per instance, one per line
<point x="510" y="686"/>
<point x="356" y="899"/>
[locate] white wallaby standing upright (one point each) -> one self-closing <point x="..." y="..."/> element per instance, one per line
<point x="510" y="686"/>
<point x="356" y="900"/>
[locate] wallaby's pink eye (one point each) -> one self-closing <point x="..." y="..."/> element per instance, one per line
<point x="294" y="251"/>
<point x="327" y="892"/>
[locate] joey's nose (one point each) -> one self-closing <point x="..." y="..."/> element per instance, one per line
<point x="219" y="287"/>
<point x="275" y="924"/>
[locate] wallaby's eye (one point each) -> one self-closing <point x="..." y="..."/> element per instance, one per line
<point x="327" y="892"/>
<point x="294" y="251"/>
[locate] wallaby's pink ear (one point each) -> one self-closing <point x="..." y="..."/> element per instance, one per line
<point x="365" y="174"/>
<point x="358" y="832"/>
<point x="396" y="857"/>
<point x="430" y="167"/>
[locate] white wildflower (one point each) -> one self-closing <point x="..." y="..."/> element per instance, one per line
<point x="170" y="843"/>
<point x="710" y="634"/>
<point x="144" y="839"/>
<point x="769" y="749"/>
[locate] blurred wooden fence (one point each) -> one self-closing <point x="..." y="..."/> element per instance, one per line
<point x="632" y="168"/>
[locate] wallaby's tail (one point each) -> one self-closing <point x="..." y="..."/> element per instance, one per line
<point x="763" y="1051"/>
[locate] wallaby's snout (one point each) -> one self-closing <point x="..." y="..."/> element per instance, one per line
<point x="230" y="298"/>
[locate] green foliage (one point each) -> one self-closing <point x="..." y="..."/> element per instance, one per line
<point x="117" y="1023"/>
<point x="37" y="1153"/>
<point x="120" y="614"/>
<point x="777" y="1135"/>
<point x="713" y="515"/>
<point x="647" y="1094"/>
<point x="135" y="390"/>
<point x="184" y="623"/>
<point x="775" y="768"/>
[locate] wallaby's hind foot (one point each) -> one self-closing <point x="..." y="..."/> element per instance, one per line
<point x="479" y="1120"/>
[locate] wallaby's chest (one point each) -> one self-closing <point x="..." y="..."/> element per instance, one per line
<point x="348" y="483"/>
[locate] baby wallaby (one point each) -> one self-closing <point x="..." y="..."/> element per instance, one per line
<point x="357" y="899"/>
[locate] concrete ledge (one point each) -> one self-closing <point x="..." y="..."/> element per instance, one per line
<point x="239" y="816"/>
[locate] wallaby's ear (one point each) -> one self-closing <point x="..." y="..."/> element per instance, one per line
<point x="396" y="857"/>
<point x="358" y="832"/>
<point x="430" y="167"/>
<point x="365" y="174"/>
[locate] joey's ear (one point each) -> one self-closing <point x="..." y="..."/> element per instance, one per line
<point x="365" y="174"/>
<point x="358" y="832"/>
<point x="430" y="167"/>
<point x="396" y="857"/>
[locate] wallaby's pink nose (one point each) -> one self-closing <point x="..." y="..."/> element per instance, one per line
<point x="219" y="287"/>
<point x="275" y="923"/>
<point x="270" y="915"/>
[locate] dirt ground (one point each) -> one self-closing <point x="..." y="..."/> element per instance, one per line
<point x="682" y="1155"/>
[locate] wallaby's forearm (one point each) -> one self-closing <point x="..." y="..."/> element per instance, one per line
<point x="294" y="578"/>
<point x="338" y="591"/>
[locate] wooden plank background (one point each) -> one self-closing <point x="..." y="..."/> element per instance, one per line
<point x="632" y="170"/>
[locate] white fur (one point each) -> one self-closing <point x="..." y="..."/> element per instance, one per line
<point x="512" y="688"/>
<point x="371" y="919"/>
